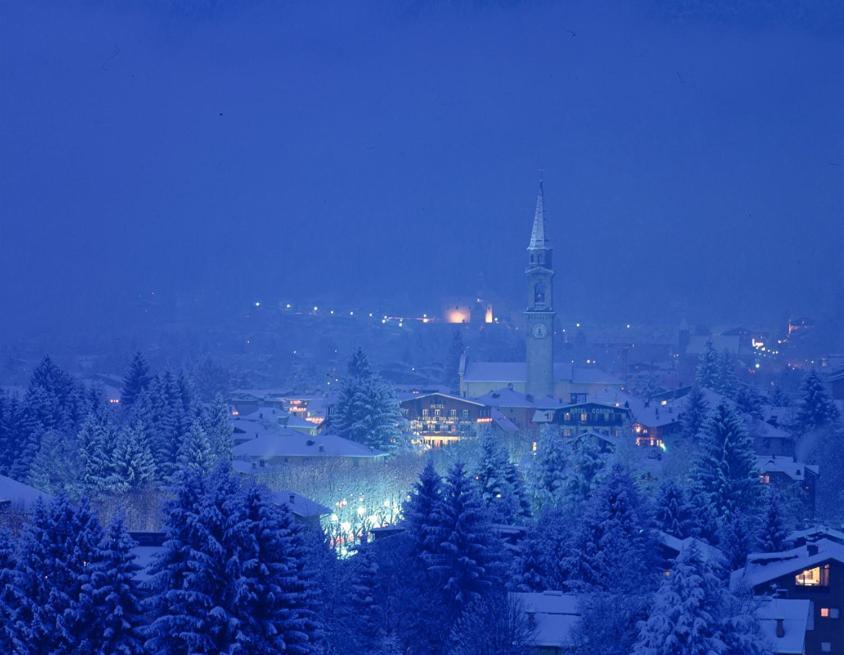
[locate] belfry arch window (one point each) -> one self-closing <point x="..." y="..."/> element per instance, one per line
<point x="539" y="292"/>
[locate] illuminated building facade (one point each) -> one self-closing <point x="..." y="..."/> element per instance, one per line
<point x="439" y="419"/>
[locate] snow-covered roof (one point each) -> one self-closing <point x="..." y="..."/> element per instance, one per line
<point x="502" y="422"/>
<point x="677" y="545"/>
<point x="505" y="372"/>
<point x="18" y="493"/>
<point x="440" y="394"/>
<point x="784" y="623"/>
<point x="765" y="567"/>
<point x="554" y="615"/>
<point x="507" y="397"/>
<point x="786" y="465"/>
<point x="290" y="443"/>
<point x="300" y="505"/>
<point x="764" y="430"/>
<point x="799" y="537"/>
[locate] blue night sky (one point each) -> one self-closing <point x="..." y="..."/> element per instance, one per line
<point x="360" y="151"/>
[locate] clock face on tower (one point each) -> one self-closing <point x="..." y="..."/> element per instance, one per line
<point x="540" y="331"/>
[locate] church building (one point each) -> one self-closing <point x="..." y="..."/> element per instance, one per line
<point x="538" y="377"/>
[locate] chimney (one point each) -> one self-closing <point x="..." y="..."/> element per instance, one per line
<point x="812" y="549"/>
<point x="780" y="628"/>
<point x="321" y="448"/>
<point x="292" y="498"/>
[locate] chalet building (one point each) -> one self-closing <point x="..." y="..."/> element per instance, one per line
<point x="770" y="440"/>
<point x="518" y="407"/>
<point x="812" y="572"/>
<point x="588" y="417"/>
<point x="789" y="475"/>
<point x="812" y="534"/>
<point x="554" y="617"/>
<point x="785" y="623"/>
<point x="439" y="419"/>
<point x="276" y="446"/>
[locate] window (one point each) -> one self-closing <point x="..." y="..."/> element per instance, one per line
<point x="425" y="413"/>
<point x="765" y="478"/>
<point x="438" y="412"/>
<point x="465" y="413"/>
<point x="452" y="413"/>
<point x="829" y="612"/>
<point x="825" y="612"/>
<point x="584" y="417"/>
<point x="826" y="647"/>
<point x="814" y="577"/>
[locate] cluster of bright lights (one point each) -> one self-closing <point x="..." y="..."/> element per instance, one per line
<point x="350" y="522"/>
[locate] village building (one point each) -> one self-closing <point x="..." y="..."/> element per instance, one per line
<point x="813" y="572"/>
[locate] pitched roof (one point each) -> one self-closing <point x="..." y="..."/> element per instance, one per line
<point x="677" y="545"/>
<point x="300" y="505"/>
<point x="766" y="567"/>
<point x="19" y="493"/>
<point x="505" y="372"/>
<point x="289" y="443"/>
<point x="554" y="615"/>
<point x="786" y="465"/>
<point x="507" y="397"/>
<point x="794" y="617"/>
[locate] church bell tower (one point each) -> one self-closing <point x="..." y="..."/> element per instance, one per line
<point x="539" y="315"/>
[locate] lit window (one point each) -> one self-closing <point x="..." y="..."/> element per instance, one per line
<point x="425" y="413"/>
<point x="452" y="413"/>
<point x="765" y="478"/>
<point x="825" y="612"/>
<point x="584" y="417"/>
<point x="826" y="647"/>
<point x="814" y="577"/>
<point x="829" y="612"/>
<point x="533" y="447"/>
<point x="465" y="413"/>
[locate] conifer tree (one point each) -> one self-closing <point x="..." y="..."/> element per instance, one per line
<point x="708" y="371"/>
<point x="367" y="410"/>
<point x="686" y="615"/>
<point x="816" y="409"/>
<point x="364" y="610"/>
<point x="549" y="469"/>
<point x="613" y="547"/>
<point x="773" y="535"/>
<point x="737" y="539"/>
<point x="517" y="490"/>
<point x="419" y="509"/>
<point x="7" y="585"/>
<point x="749" y="401"/>
<point x="137" y="380"/>
<point x="725" y="469"/>
<point x="116" y="598"/>
<point x="466" y="557"/>
<point x="195" y="451"/>
<point x="132" y="465"/>
<point x="96" y="441"/>
<point x="58" y="551"/>
<point x="583" y="471"/>
<point x="674" y="513"/>
<point x="726" y="375"/>
<point x="219" y="429"/>
<point x="694" y="413"/>
<point x="56" y="467"/>
<point x="499" y="498"/>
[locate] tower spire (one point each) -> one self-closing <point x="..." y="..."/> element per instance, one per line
<point x="537" y="234"/>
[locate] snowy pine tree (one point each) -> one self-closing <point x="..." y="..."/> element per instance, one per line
<point x="136" y="381"/>
<point x="694" y="413"/>
<point x="500" y="497"/>
<point x="7" y="585"/>
<point x="708" y="370"/>
<point x="132" y="464"/>
<point x="219" y="429"/>
<point x="613" y="547"/>
<point x="816" y="409"/>
<point x="737" y="539"/>
<point x="56" y="467"/>
<point x="584" y="470"/>
<point x="674" y="513"/>
<point x="686" y="615"/>
<point x="367" y="410"/>
<point x="195" y="451"/>
<point x="466" y="557"/>
<point x="749" y="401"/>
<point x="548" y="475"/>
<point x="773" y="534"/>
<point x="96" y="448"/>
<point x="115" y="597"/>
<point x="727" y="382"/>
<point x="418" y="510"/>
<point x="725" y="469"/>
<point x="364" y="612"/>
